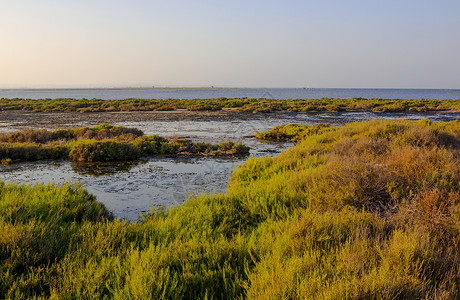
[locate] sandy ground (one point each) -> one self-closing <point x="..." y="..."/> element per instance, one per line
<point x="14" y="120"/>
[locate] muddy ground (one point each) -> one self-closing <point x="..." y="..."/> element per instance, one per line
<point x="13" y="120"/>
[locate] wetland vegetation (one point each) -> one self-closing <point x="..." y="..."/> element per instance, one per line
<point x="292" y="132"/>
<point x="250" y="105"/>
<point x="103" y="143"/>
<point x="367" y="210"/>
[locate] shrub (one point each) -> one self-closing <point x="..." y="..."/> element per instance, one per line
<point x="104" y="150"/>
<point x="32" y="151"/>
<point x="30" y="136"/>
<point x="168" y="148"/>
<point x="393" y="107"/>
<point x="294" y="132"/>
<point x="230" y="148"/>
<point x="149" y="145"/>
<point x="103" y="143"/>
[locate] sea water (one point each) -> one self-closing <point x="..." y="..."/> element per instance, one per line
<point x="207" y="93"/>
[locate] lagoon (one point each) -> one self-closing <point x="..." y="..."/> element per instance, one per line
<point x="208" y="93"/>
<point x="128" y="189"/>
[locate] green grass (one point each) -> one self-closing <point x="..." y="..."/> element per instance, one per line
<point x="103" y="143"/>
<point x="292" y="132"/>
<point x="365" y="211"/>
<point x="250" y="105"/>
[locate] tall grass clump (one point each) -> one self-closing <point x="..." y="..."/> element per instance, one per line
<point x="293" y="132"/>
<point x="369" y="210"/>
<point x="38" y="226"/>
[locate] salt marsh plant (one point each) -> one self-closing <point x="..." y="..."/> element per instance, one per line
<point x="293" y="132"/>
<point x="365" y="211"/>
<point x="103" y="151"/>
<point x="248" y="105"/>
<point x="103" y="143"/>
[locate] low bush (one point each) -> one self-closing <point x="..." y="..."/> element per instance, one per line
<point x="103" y="150"/>
<point x="102" y="143"/>
<point x="33" y="151"/>
<point x="28" y="136"/>
<point x="230" y="148"/>
<point x="291" y="132"/>
<point x="100" y="132"/>
<point x="150" y="145"/>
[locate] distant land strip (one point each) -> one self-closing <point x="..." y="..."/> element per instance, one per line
<point x="240" y="105"/>
<point x="120" y="89"/>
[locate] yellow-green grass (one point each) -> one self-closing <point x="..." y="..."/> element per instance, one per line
<point x="366" y="211"/>
<point x="292" y="132"/>
<point x="252" y="105"/>
<point x="103" y="143"/>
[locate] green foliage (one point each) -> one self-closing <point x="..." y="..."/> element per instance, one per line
<point x="230" y="148"/>
<point x="21" y="204"/>
<point x="150" y="145"/>
<point x="102" y="143"/>
<point x="104" y="150"/>
<point x="293" y="132"/>
<point x="33" y="151"/>
<point x="365" y="211"/>
<point x="102" y="131"/>
<point x="252" y="105"/>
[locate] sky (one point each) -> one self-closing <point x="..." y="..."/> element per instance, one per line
<point x="252" y="43"/>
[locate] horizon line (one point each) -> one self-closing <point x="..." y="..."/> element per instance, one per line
<point x="201" y="88"/>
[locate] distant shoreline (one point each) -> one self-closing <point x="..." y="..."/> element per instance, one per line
<point x="215" y="92"/>
<point x="125" y="89"/>
<point x="182" y="88"/>
<point x="205" y="88"/>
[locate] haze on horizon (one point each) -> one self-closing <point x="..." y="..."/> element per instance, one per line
<point x="340" y="44"/>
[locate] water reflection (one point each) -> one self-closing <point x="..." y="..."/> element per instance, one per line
<point x="106" y="168"/>
<point x="130" y="188"/>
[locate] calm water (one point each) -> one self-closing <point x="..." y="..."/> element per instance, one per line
<point x="128" y="189"/>
<point x="235" y="93"/>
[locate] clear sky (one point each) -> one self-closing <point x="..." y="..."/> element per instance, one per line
<point x="329" y="43"/>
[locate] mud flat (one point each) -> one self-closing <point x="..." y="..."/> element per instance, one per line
<point x="18" y="120"/>
<point x="12" y="120"/>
